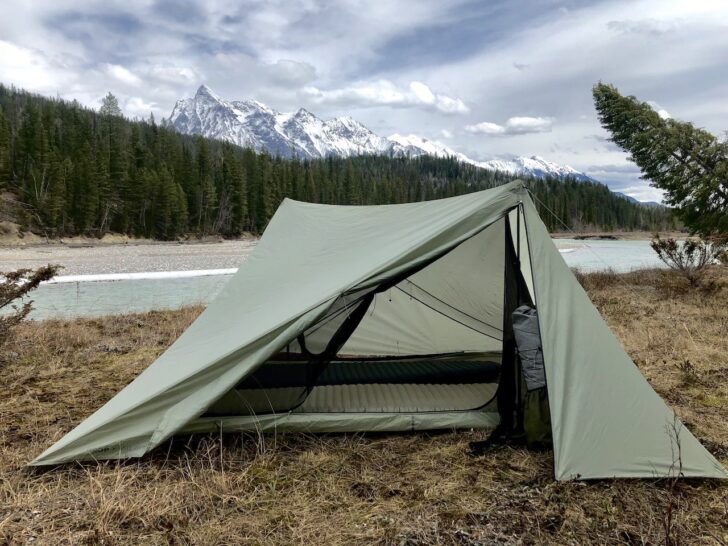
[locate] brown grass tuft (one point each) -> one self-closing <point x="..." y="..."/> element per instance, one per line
<point x="350" y="489"/>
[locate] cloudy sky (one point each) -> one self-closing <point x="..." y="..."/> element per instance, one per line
<point x="488" y="78"/>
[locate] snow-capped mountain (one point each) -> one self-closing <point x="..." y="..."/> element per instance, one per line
<point x="532" y="166"/>
<point x="535" y="166"/>
<point x="301" y="134"/>
<point x="252" y="124"/>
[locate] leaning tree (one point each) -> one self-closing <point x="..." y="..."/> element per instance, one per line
<point x="688" y="163"/>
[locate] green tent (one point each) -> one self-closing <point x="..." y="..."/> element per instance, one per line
<point x="396" y="318"/>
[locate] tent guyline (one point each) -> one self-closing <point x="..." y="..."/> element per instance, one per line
<point x="447" y="305"/>
<point x="457" y="313"/>
<point x="631" y="290"/>
<point x="445" y="314"/>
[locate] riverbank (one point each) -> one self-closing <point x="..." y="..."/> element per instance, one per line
<point x="617" y="235"/>
<point x="12" y="236"/>
<point x="352" y="489"/>
<point x="130" y="258"/>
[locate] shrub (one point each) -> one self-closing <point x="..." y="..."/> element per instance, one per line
<point x="691" y="258"/>
<point x="14" y="286"/>
<point x="689" y="372"/>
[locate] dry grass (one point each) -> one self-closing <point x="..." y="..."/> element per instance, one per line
<point x="399" y="489"/>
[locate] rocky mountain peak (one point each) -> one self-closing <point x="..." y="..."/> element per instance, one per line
<point x="302" y="134"/>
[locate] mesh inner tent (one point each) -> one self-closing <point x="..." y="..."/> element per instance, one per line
<point x="431" y="342"/>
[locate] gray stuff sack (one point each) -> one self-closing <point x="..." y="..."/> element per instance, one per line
<point x="528" y="341"/>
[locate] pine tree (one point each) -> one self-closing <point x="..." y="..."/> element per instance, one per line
<point x="689" y="164"/>
<point x="106" y="201"/>
<point x="110" y="106"/>
<point x="264" y="204"/>
<point x="169" y="205"/>
<point x="85" y="195"/>
<point x="53" y="210"/>
<point x="239" y="195"/>
<point x="179" y="211"/>
<point x="207" y="205"/>
<point x="6" y="168"/>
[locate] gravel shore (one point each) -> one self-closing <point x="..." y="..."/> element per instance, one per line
<point x="128" y="258"/>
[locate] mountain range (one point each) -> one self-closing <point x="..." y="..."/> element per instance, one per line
<point x="301" y="134"/>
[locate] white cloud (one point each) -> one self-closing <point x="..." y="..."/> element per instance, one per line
<point x="386" y="93"/>
<point x="121" y="74"/>
<point x="518" y="125"/>
<point x="652" y="27"/>
<point x="173" y="74"/>
<point x="138" y="107"/>
<point x="643" y="193"/>
<point x="664" y="114"/>
<point x="291" y="73"/>
<point x="28" y="68"/>
<point x="446" y="133"/>
<point x="486" y="128"/>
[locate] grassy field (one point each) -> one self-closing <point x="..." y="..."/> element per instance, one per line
<point x="400" y="489"/>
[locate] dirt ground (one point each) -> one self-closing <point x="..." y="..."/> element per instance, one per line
<point x="399" y="489"/>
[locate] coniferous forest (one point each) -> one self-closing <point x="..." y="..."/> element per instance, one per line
<point x="69" y="170"/>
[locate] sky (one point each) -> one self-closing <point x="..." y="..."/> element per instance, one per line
<point x="491" y="79"/>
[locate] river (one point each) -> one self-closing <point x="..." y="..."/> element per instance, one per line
<point x="108" y="293"/>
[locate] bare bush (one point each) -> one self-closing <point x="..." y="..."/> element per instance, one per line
<point x="14" y="287"/>
<point x="688" y="372"/>
<point x="690" y="258"/>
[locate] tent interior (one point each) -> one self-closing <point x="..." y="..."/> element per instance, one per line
<point x="434" y="341"/>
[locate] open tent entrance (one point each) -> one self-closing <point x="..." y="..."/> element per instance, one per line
<point x="435" y="342"/>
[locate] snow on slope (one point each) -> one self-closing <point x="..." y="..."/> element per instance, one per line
<point x="252" y="124"/>
<point x="301" y="134"/>
<point x="414" y="145"/>
<point x="533" y="166"/>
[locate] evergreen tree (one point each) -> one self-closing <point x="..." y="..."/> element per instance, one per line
<point x="169" y="207"/>
<point x="264" y="202"/>
<point x="207" y="206"/>
<point x="55" y="205"/>
<point x="5" y="150"/>
<point x="85" y="194"/>
<point x="689" y="164"/>
<point x="237" y="185"/>
<point x="110" y="106"/>
<point x="179" y="212"/>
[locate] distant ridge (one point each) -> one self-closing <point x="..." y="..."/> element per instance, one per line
<point x="637" y="201"/>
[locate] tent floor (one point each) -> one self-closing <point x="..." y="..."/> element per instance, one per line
<point x="444" y="369"/>
<point x="379" y="397"/>
<point x="346" y="422"/>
